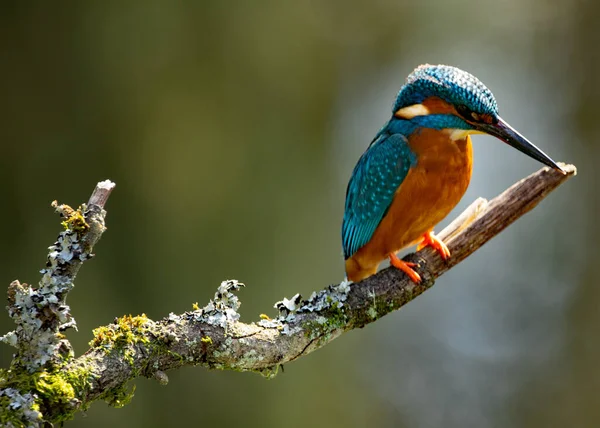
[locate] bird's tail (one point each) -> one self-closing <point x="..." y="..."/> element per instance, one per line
<point x="356" y="271"/>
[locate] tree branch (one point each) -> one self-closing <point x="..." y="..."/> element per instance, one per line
<point x="31" y="388"/>
<point x="214" y="337"/>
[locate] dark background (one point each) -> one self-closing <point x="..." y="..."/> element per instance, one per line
<point x="231" y="128"/>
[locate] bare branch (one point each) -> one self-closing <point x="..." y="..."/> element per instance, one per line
<point x="101" y="193"/>
<point x="214" y="337"/>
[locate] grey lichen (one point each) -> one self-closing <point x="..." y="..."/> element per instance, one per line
<point x="222" y="309"/>
<point x="331" y="299"/>
<point x="287" y="306"/>
<point x="35" y="386"/>
<point x="18" y="409"/>
<point x="332" y="295"/>
<point x="42" y="313"/>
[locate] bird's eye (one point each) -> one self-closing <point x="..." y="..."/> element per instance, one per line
<point x="466" y="112"/>
<point x="472" y="116"/>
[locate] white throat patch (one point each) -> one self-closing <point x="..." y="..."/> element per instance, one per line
<point x="461" y="134"/>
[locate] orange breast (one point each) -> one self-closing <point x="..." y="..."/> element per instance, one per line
<point x="429" y="192"/>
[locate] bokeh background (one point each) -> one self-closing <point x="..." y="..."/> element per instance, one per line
<point x="231" y="128"/>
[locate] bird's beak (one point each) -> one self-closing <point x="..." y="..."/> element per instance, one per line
<point x="509" y="135"/>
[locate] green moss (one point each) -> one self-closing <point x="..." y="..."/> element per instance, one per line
<point x="75" y="221"/>
<point x="4" y="377"/>
<point x="207" y="340"/>
<point x="120" y="337"/>
<point x="126" y="331"/>
<point x="380" y="306"/>
<point x="57" y="393"/>
<point x="269" y="372"/>
<point x="62" y="391"/>
<point x="80" y="378"/>
<point x="119" y="396"/>
<point x="334" y="318"/>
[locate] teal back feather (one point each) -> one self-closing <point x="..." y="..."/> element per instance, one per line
<point x="376" y="176"/>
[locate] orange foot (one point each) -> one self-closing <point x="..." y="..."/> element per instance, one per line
<point x="430" y="240"/>
<point x="405" y="267"/>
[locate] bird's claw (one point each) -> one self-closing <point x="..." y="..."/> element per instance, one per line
<point x="405" y="267"/>
<point x="430" y="240"/>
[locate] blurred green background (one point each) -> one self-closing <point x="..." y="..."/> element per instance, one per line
<point x="231" y="128"/>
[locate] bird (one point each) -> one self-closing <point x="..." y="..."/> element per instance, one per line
<point x="418" y="166"/>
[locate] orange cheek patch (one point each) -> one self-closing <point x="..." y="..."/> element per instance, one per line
<point x="436" y="105"/>
<point x="432" y="105"/>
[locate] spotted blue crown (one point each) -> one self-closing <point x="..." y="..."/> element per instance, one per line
<point x="449" y="83"/>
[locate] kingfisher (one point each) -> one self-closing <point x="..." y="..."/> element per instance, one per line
<point x="418" y="167"/>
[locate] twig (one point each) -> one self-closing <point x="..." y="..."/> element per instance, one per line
<point x="214" y="337"/>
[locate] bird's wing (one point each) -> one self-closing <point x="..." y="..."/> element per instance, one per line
<point x="376" y="176"/>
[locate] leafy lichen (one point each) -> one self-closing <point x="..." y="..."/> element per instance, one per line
<point x="18" y="410"/>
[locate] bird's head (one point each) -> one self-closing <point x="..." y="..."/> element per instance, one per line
<point x="447" y="98"/>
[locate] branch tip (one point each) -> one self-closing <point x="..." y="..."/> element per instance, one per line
<point x="101" y="193"/>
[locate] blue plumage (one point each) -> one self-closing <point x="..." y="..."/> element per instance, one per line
<point x="377" y="175"/>
<point x="433" y="121"/>
<point x="449" y="83"/>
